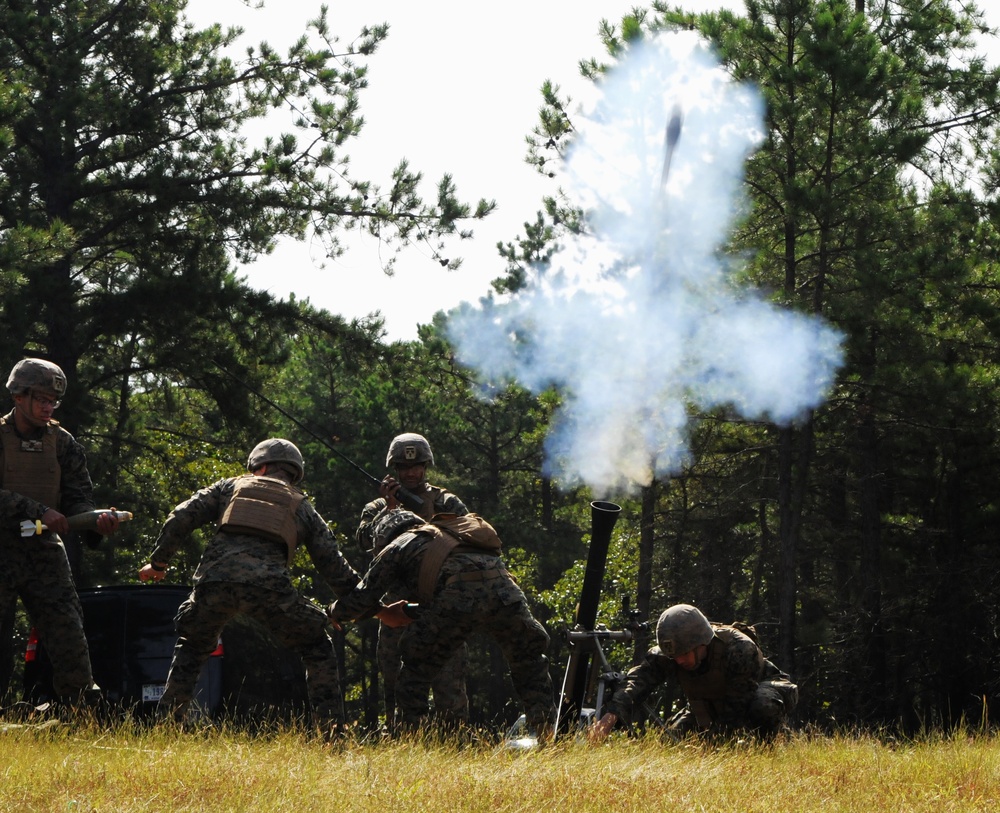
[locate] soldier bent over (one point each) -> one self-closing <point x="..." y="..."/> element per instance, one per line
<point x="452" y="566"/>
<point x="260" y="519"/>
<point x="410" y="455"/>
<point x="729" y="685"/>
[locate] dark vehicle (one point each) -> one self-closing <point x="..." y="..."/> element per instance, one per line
<point x="130" y="630"/>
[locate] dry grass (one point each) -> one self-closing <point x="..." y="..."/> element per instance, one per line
<point x="78" y="769"/>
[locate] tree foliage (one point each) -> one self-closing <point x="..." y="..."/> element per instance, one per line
<point x="129" y="167"/>
<point x="859" y="541"/>
<point x="876" y="121"/>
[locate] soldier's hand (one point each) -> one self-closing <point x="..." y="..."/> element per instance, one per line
<point x="108" y="522"/>
<point x="387" y="490"/>
<point x="394" y="615"/>
<point x="55" y="522"/>
<point x="149" y="572"/>
<point x="600" y="729"/>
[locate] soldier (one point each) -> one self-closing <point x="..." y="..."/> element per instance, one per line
<point x="260" y="519"/>
<point x="44" y="477"/>
<point x="452" y="567"/>
<point x="409" y="455"/>
<point x="729" y="685"/>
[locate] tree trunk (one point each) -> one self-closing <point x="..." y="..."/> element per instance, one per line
<point x="794" y="453"/>
<point x="873" y="634"/>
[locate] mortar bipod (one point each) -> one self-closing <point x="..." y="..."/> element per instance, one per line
<point x="586" y="651"/>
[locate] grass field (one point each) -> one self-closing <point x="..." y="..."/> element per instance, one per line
<point x="80" y="768"/>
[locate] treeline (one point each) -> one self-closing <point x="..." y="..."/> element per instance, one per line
<point x="860" y="541"/>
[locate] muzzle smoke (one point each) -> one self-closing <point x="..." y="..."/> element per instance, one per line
<point x="639" y="323"/>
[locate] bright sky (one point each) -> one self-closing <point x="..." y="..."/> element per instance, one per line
<point x="454" y="89"/>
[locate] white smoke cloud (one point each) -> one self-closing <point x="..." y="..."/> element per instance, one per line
<point x="639" y="321"/>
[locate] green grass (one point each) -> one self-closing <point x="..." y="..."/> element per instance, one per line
<point x="79" y="768"/>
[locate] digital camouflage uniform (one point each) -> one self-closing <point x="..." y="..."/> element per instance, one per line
<point x="473" y="593"/>
<point x="246" y="573"/>
<point x="36" y="568"/>
<point x="735" y="688"/>
<point x="451" y="700"/>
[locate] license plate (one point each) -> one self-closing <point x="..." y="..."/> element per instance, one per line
<point x="151" y="692"/>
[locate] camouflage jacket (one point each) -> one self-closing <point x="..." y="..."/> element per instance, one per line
<point x="246" y="558"/>
<point x="444" y="502"/>
<point x="75" y="486"/>
<point x="395" y="571"/>
<point x="741" y="668"/>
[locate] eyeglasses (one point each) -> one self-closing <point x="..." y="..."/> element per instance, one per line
<point x="41" y="400"/>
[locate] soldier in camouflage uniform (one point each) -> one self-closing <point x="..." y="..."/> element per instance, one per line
<point x="729" y="685"/>
<point x="409" y="455"/>
<point x="44" y="476"/>
<point x="452" y="567"/>
<point x="260" y="519"/>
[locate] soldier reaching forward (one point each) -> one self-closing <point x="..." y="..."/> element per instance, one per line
<point x="729" y="685"/>
<point x="452" y="567"/>
<point x="410" y="456"/>
<point x="260" y="519"/>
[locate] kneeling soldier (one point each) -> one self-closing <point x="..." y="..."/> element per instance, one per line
<point x="729" y="685"/>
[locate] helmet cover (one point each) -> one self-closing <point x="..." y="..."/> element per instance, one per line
<point x="409" y="448"/>
<point x="37" y="374"/>
<point x="681" y="628"/>
<point x="277" y="450"/>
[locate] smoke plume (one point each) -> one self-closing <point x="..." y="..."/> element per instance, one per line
<point x="639" y="323"/>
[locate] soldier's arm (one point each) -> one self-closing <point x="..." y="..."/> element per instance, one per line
<point x="366" y="528"/>
<point x="640" y="681"/>
<point x="201" y="508"/>
<point x="451" y="504"/>
<point x="15" y="507"/>
<point x="324" y="551"/>
<point x="743" y="671"/>
<point x="365" y="599"/>
<point x="76" y="490"/>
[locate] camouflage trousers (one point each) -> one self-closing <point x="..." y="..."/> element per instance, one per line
<point x="768" y="711"/>
<point x="38" y="571"/>
<point x="458" y="611"/>
<point x="294" y="621"/>
<point x="451" y="701"/>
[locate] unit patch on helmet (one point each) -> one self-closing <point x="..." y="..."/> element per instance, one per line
<point x="409" y="448"/>
<point x="36" y="374"/>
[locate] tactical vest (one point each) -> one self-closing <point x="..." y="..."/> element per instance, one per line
<point x="705" y="690"/>
<point x="263" y="506"/>
<point x="30" y="467"/>
<point x="450" y="533"/>
<point x="428" y="500"/>
<point x="427" y="510"/>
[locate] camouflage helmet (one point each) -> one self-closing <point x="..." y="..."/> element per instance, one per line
<point x="391" y="525"/>
<point x="36" y="374"/>
<point x="409" y="448"/>
<point x="277" y="450"/>
<point x="681" y="628"/>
